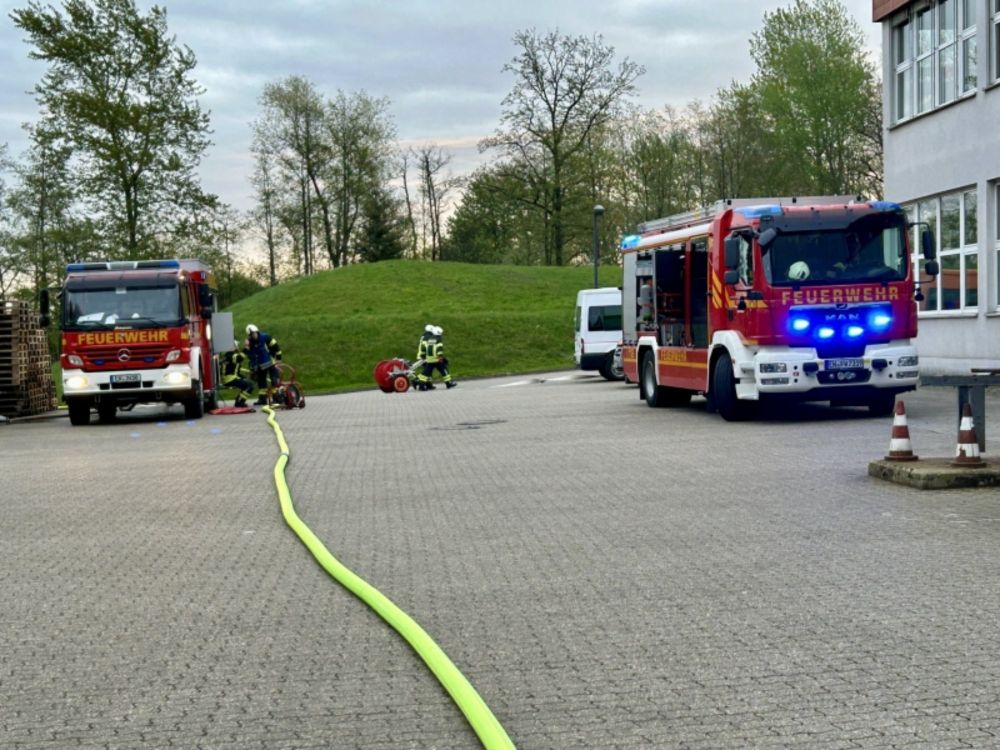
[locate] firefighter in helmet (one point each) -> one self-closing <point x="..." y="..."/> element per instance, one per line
<point x="434" y="360"/>
<point x="263" y="351"/>
<point x="235" y="372"/>
<point x="424" y="347"/>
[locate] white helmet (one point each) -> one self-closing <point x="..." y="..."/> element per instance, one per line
<point x="438" y="331"/>
<point x="251" y="329"/>
<point x="798" y="271"/>
<point x="428" y="328"/>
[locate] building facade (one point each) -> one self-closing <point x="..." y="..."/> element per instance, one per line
<point x="941" y="73"/>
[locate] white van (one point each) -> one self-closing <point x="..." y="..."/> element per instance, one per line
<point x="598" y="330"/>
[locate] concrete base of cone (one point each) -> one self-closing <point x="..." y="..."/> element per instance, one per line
<point x="936" y="473"/>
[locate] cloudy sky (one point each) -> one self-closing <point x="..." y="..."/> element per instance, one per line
<point x="437" y="61"/>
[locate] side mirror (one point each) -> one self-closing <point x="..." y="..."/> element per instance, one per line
<point x="731" y="277"/>
<point x="767" y="237"/>
<point x="206" y="313"/>
<point x="43" y="308"/>
<point x="732" y="250"/>
<point x="931" y="268"/>
<point x="927" y="245"/>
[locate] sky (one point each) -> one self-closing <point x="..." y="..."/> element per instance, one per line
<point x="438" y="62"/>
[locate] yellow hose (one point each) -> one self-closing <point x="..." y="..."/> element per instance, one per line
<point x="478" y="714"/>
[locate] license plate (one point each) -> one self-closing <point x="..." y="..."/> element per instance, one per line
<point x="849" y="363"/>
<point x="126" y="377"/>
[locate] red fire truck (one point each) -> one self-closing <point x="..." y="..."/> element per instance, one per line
<point x="772" y="299"/>
<point x="136" y="332"/>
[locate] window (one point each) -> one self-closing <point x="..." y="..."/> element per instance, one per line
<point x="953" y="220"/>
<point x="604" y="318"/>
<point x="996" y="224"/>
<point x="996" y="39"/>
<point x="934" y="56"/>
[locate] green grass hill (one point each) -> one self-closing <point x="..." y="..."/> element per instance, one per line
<point x="335" y="326"/>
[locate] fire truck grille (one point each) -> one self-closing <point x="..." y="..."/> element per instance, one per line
<point x="139" y="355"/>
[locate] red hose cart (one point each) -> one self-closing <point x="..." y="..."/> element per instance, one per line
<point x="288" y="393"/>
<point x="396" y="375"/>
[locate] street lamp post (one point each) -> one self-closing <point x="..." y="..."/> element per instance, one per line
<point x="598" y="211"/>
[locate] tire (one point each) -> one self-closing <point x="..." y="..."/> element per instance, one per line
<point x="79" y="411"/>
<point x="293" y="397"/>
<point x="194" y="407"/>
<point x="609" y="371"/>
<point x="106" y="411"/>
<point x="400" y="384"/>
<point x="659" y="396"/>
<point x="882" y="404"/>
<point x="212" y="399"/>
<point x="724" y="391"/>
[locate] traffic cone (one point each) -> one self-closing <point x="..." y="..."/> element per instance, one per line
<point x="967" y="452"/>
<point x="899" y="445"/>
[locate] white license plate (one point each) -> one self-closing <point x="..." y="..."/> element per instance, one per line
<point x="128" y="377"/>
<point x="847" y="363"/>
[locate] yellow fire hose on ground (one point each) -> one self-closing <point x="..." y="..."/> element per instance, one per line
<point x="478" y="714"/>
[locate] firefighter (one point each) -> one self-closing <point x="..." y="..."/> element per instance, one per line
<point x="435" y="361"/>
<point x="234" y="374"/>
<point x="263" y="351"/>
<point x="424" y="347"/>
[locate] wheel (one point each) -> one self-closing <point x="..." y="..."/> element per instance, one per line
<point x="106" y="411"/>
<point x="724" y="391"/>
<point x="882" y="404"/>
<point x="194" y="407"/>
<point x="609" y="371"/>
<point x="212" y="399"/>
<point x="401" y="384"/>
<point x="293" y="396"/>
<point x="79" y="411"/>
<point x="659" y="396"/>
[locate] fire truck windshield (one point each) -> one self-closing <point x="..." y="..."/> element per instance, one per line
<point x="89" y="307"/>
<point x="870" y="249"/>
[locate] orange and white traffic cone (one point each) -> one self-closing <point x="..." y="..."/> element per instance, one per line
<point x="967" y="452"/>
<point x="899" y="445"/>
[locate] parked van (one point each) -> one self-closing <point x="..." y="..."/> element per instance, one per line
<point x="598" y="329"/>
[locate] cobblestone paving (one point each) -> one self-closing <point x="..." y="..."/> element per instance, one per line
<point x="605" y="574"/>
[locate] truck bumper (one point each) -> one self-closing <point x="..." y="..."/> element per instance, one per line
<point x="780" y="371"/>
<point x="170" y="383"/>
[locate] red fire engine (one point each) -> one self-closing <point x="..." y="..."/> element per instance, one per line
<point x="136" y="332"/>
<point x="773" y="299"/>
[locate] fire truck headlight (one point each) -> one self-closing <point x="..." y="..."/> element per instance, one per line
<point x="173" y="355"/>
<point x="854" y="332"/>
<point x="75" y="360"/>
<point x="176" y="377"/>
<point x="75" y="383"/>
<point x="799" y="324"/>
<point x="773" y="367"/>
<point x="825" y="332"/>
<point x="909" y="361"/>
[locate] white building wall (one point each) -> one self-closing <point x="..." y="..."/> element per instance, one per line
<point x="954" y="147"/>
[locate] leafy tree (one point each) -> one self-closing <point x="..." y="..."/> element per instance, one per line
<point x="816" y="89"/>
<point x="565" y="89"/>
<point x="121" y="93"/>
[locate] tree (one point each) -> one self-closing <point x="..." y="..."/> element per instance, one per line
<point x="565" y="88"/>
<point x="816" y="90"/>
<point x="120" y="91"/>
<point x="382" y="233"/>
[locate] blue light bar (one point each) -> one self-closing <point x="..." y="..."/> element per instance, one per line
<point x="885" y="206"/>
<point x="854" y="332"/>
<point x="121" y="265"/>
<point x="630" y="241"/>
<point x="799" y="324"/>
<point x="825" y="332"/>
<point x="756" y="212"/>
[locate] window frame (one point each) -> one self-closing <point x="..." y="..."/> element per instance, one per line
<point x="922" y="56"/>
<point x="934" y="289"/>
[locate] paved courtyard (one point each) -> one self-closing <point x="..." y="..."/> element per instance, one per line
<point x="605" y="574"/>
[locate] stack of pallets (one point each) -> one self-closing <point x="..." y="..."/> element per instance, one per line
<point x="26" y="385"/>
